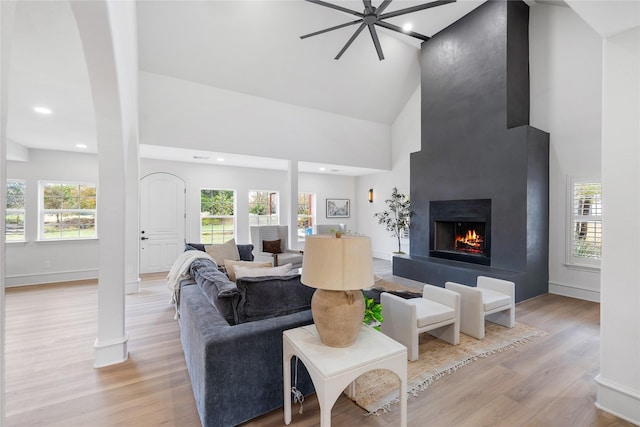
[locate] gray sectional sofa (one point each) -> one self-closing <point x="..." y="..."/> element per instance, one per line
<point x="232" y="340"/>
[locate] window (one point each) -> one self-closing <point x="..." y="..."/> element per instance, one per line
<point x="306" y="209"/>
<point x="263" y="208"/>
<point x="67" y="211"/>
<point x="217" y="222"/>
<point x="585" y="231"/>
<point x="14" y="217"/>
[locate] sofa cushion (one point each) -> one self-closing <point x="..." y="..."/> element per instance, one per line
<point x="267" y="297"/>
<point x="272" y="246"/>
<point x="229" y="265"/>
<point x="221" y="292"/>
<point x="194" y="247"/>
<point x="242" y="271"/>
<point x="246" y="252"/>
<point x="227" y="250"/>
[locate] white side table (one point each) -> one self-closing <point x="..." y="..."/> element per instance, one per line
<point x="333" y="369"/>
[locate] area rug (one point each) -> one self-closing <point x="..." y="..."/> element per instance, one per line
<point x="377" y="390"/>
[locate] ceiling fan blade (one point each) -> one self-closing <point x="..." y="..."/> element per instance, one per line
<point x="376" y="42"/>
<point x="383" y="6"/>
<point x="367" y="6"/>
<point x="336" y="7"/>
<point x="331" y="29"/>
<point x="415" y="8"/>
<point x="353" y="37"/>
<point x="400" y="30"/>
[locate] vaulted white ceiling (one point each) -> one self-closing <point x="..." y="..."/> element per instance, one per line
<point x="251" y="47"/>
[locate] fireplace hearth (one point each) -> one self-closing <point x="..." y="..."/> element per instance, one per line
<point x="461" y="230"/>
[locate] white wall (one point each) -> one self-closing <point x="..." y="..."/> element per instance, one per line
<point x="406" y="131"/>
<point x="619" y="378"/>
<point x="566" y="101"/>
<point x="243" y="180"/>
<point x="42" y="262"/>
<point x="202" y="117"/>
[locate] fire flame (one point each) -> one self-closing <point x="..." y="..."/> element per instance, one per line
<point x="471" y="239"/>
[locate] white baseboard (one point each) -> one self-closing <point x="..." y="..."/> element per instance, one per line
<point x="618" y="400"/>
<point x="132" y="286"/>
<point x="55" y="277"/>
<point x="111" y="352"/>
<point x="574" y="292"/>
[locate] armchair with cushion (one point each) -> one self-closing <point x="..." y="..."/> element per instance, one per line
<point x="271" y="243"/>
<point x="437" y="312"/>
<point x="493" y="299"/>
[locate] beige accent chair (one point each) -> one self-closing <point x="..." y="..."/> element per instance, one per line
<point x="437" y="312"/>
<point x="262" y="233"/>
<point x="492" y="299"/>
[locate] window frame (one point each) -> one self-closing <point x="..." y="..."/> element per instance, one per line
<point x="233" y="216"/>
<point x="22" y="211"/>
<point x="571" y="259"/>
<point x="42" y="212"/>
<point x="270" y="216"/>
<point x="311" y="215"/>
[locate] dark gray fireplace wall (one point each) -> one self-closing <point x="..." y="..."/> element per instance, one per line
<point x="477" y="144"/>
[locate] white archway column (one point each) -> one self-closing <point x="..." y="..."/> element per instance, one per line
<point x="7" y="11"/>
<point x="104" y="28"/>
<point x="618" y="389"/>
<point x="292" y="194"/>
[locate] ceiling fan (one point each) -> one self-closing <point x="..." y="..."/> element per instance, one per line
<point x="371" y="17"/>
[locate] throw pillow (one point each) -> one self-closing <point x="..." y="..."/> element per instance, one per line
<point x="227" y="250"/>
<point x="283" y="270"/>
<point x="230" y="264"/>
<point x="272" y="246"/>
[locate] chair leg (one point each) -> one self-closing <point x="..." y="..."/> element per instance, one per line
<point x="448" y="333"/>
<point x="412" y="350"/>
<point x="505" y="318"/>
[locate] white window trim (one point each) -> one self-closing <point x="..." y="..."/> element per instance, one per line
<point x="42" y="212"/>
<point x="22" y="211"/>
<point x="277" y="215"/>
<point x="572" y="262"/>
<point x="234" y="216"/>
<point x="313" y="215"/>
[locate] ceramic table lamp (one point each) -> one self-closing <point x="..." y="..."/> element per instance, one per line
<point x="339" y="268"/>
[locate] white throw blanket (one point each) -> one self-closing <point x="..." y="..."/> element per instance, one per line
<point x="180" y="271"/>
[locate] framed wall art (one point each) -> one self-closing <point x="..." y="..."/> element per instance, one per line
<point x="338" y="208"/>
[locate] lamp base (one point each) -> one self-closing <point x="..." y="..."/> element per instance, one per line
<point x="338" y="316"/>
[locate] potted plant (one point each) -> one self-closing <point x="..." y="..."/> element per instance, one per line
<point x="372" y="312"/>
<point x="396" y="217"/>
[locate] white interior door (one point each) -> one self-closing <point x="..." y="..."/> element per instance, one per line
<point x="162" y="221"/>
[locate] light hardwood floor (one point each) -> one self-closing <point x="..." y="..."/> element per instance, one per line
<point x="50" y="379"/>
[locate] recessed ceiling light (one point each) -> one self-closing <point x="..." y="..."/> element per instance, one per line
<point x="407" y="27"/>
<point x="200" y="157"/>
<point x="81" y="145"/>
<point x="42" y="110"/>
<point x="323" y="169"/>
<point x="220" y="159"/>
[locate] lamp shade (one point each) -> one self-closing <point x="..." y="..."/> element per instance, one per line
<point x="337" y="264"/>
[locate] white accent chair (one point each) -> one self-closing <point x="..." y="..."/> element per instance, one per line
<point x="492" y="299"/>
<point x="262" y="233"/>
<point x="437" y="312"/>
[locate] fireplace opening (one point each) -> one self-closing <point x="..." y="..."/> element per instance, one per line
<point x="462" y="237"/>
<point x="461" y="230"/>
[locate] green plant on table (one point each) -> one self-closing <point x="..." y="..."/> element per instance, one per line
<point x="372" y="312"/>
